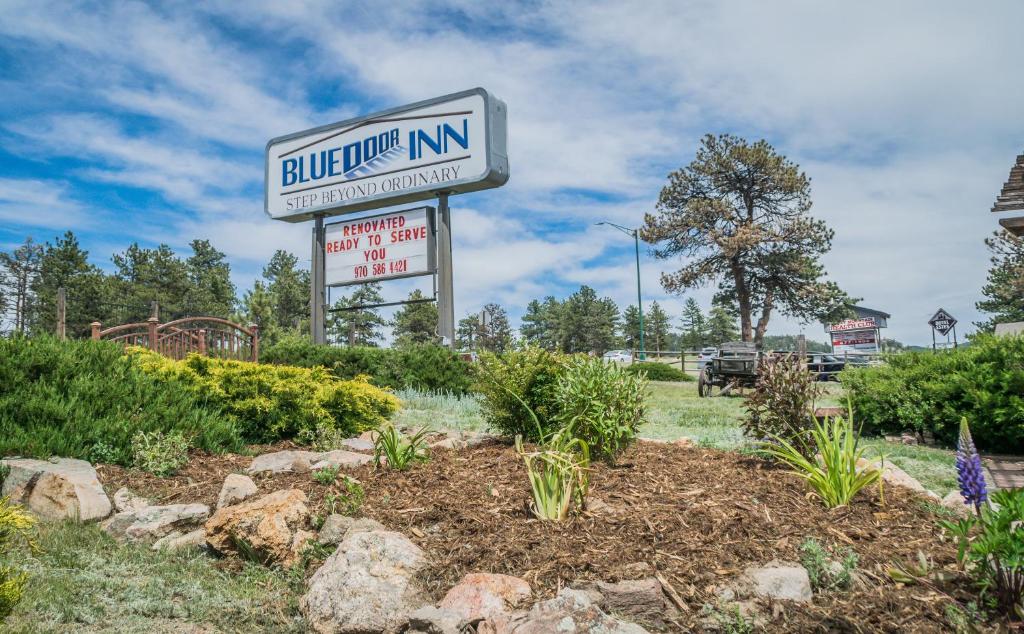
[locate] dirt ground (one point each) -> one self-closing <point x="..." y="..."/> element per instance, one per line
<point x="697" y="516"/>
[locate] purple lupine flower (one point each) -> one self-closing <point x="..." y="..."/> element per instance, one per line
<point x="968" y="469"/>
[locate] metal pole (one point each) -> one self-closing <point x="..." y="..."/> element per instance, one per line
<point x="933" y="339"/>
<point x="639" y="300"/>
<point x="316" y="284"/>
<point x="954" y="338"/>
<point x="446" y="291"/>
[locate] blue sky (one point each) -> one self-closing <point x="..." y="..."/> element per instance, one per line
<point x="147" y="122"/>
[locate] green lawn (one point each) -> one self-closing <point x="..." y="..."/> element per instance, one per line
<point x="675" y="410"/>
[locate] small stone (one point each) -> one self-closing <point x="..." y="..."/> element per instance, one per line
<point x="336" y="527"/>
<point x="151" y="523"/>
<point x="597" y="506"/>
<point x="340" y="458"/>
<point x="570" y="611"/>
<point x="177" y="541"/>
<point x="125" y="500"/>
<point x="639" y="599"/>
<point x="892" y="474"/>
<point x="236" y="488"/>
<point x="358" y="444"/>
<point x="777" y="580"/>
<point x="480" y="596"/>
<point x="431" y="620"/>
<point x="291" y="461"/>
<point x="955" y="502"/>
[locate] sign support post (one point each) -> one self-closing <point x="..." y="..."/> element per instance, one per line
<point x="446" y="291"/>
<point x="317" y="287"/>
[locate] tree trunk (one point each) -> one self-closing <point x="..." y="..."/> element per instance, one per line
<point x="762" y="323"/>
<point x="743" y="299"/>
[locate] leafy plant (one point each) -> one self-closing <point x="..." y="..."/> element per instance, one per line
<point x="15" y="525"/>
<point x="327" y="475"/>
<point x="782" y="403"/>
<point x="827" y="570"/>
<point x="832" y="472"/>
<point x="399" y="451"/>
<point x="159" y="453"/>
<point x="346" y="501"/>
<point x="991" y="549"/>
<point x="558" y="475"/>
<point x="517" y="391"/>
<point x="601" y="404"/>
<point x="655" y="371"/>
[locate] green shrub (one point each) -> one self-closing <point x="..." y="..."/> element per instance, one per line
<point x="159" y="453"/>
<point x="931" y="392"/>
<point x="87" y="399"/>
<point x="782" y="403"/>
<point x="656" y="371"/>
<point x="270" y="402"/>
<point x="515" y="383"/>
<point x="601" y="404"/>
<point x="15" y="525"/>
<point x="421" y="367"/>
<point x="828" y="462"/>
<point x="827" y="570"/>
<point x="557" y="473"/>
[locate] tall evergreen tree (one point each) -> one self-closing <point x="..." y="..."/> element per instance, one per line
<point x="88" y="292"/>
<point x="358" y="327"/>
<point x="542" y="323"/>
<point x="258" y="307"/>
<point x="416" y="323"/>
<point x="695" y="327"/>
<point x="630" y="327"/>
<point x="721" y="326"/>
<point x="740" y="214"/>
<point x="20" y="273"/>
<point x="588" y="323"/>
<point x="656" y="328"/>
<point x="290" y="287"/>
<point x="212" y="293"/>
<point x="494" y="335"/>
<point x="150" y="275"/>
<point x="1004" y="288"/>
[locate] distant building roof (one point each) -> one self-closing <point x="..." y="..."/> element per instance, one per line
<point x="1010" y="328"/>
<point x="1011" y="198"/>
<point x="870" y="312"/>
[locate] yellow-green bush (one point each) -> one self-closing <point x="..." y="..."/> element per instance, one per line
<point x="272" y="402"/>
<point x="15" y="524"/>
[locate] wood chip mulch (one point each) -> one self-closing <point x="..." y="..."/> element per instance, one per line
<point x="697" y="516"/>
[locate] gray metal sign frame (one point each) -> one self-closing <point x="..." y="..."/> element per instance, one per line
<point x="496" y="174"/>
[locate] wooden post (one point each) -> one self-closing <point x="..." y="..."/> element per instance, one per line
<point x="95" y="330"/>
<point x="255" y="342"/>
<point x="202" y="342"/>
<point x="154" y="310"/>
<point x="61" y="323"/>
<point x="151" y="325"/>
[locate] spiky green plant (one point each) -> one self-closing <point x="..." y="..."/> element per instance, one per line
<point x="558" y="475"/>
<point x="399" y="451"/>
<point x="831" y="470"/>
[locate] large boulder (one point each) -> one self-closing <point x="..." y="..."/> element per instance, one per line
<point x="480" y="595"/>
<point x="236" y="488"/>
<point x="893" y="475"/>
<point x="272" y="528"/>
<point x="151" y="523"/>
<point x="56" y="489"/>
<point x="125" y="500"/>
<point x="954" y="501"/>
<point x="571" y="611"/>
<point x="369" y="584"/>
<point x="291" y="461"/>
<point x="340" y="458"/>
<point x="358" y="444"/>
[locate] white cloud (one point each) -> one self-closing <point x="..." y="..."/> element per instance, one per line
<point x="42" y="203"/>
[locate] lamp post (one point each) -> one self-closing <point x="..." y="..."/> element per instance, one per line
<point x="635" y="234"/>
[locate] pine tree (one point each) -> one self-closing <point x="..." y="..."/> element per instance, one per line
<point x="20" y="274"/>
<point x="358" y="327"/>
<point x="1004" y="288"/>
<point x="542" y="323"/>
<point x="630" y="327"/>
<point x="64" y="264"/>
<point x="588" y="323"/>
<point x="695" y="327"/>
<point x="721" y="326"/>
<point x="656" y="328"/>
<point x="290" y="287"/>
<point x="212" y="294"/>
<point x="416" y="323"/>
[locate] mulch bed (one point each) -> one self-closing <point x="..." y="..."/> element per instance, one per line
<point x="697" y="516"/>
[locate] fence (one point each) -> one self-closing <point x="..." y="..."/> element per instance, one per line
<point x="207" y="336"/>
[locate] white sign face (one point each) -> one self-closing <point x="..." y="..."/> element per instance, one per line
<point x="854" y="324"/>
<point x="389" y="246"/>
<point x="855" y="341"/>
<point x="450" y="144"/>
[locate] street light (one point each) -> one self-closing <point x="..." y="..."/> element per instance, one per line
<point x="639" y="302"/>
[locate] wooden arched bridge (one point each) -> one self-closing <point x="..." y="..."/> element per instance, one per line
<point x="207" y="336"/>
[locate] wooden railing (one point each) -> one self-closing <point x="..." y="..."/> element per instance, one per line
<point x="207" y="336"/>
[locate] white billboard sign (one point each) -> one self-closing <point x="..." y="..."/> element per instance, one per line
<point x="384" y="247"/>
<point x="855" y="341"/>
<point x="453" y="144"/>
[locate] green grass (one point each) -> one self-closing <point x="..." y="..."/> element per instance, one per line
<point x="83" y="581"/>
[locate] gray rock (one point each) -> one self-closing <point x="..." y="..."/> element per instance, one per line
<point x="638" y="600"/>
<point x="291" y="461"/>
<point x="571" y="611"/>
<point x="776" y="580"/>
<point x="480" y="596"/>
<point x="431" y="620"/>
<point x="337" y="527"/>
<point x="150" y="523"/>
<point x="955" y="502"/>
<point x="369" y="584"/>
<point x="177" y="540"/>
<point x="125" y="500"/>
<point x="358" y="444"/>
<point x="893" y="475"/>
<point x="56" y="489"/>
<point x="236" y="488"/>
<point x="340" y="458"/>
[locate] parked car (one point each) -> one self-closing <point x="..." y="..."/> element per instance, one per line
<point x="621" y="356"/>
<point x="826" y="366"/>
<point x="704" y="357"/>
